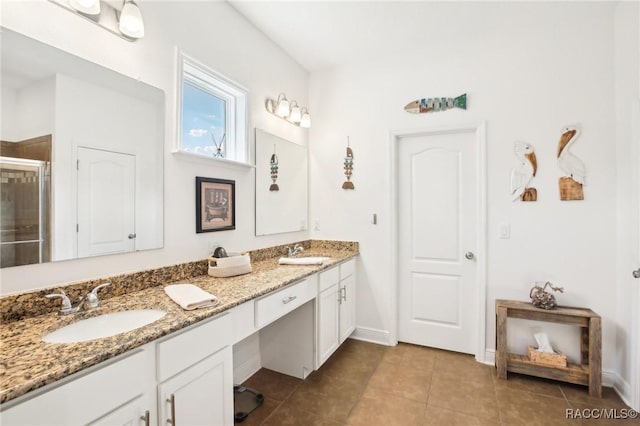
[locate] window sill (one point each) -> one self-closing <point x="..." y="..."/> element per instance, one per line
<point x="223" y="162"/>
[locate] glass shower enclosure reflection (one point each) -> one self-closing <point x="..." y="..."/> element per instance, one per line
<point x="25" y="229"/>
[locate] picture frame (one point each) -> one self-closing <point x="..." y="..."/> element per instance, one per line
<point x="215" y="204"/>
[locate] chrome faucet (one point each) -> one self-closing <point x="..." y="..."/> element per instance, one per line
<point x="91" y="300"/>
<point x="296" y="249"/>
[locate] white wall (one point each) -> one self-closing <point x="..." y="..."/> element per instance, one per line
<point x="28" y="111"/>
<point x="97" y="117"/>
<point x="528" y="78"/>
<point x="627" y="89"/>
<point x="216" y="35"/>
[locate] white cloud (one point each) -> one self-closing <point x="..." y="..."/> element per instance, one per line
<point x="196" y="133"/>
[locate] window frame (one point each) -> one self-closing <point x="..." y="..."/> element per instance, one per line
<point x="235" y="97"/>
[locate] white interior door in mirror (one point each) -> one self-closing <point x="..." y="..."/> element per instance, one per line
<point x="283" y="209"/>
<point x="106" y="202"/>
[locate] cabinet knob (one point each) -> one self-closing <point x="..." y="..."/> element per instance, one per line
<point x="469" y="255"/>
<point x="636" y="273"/>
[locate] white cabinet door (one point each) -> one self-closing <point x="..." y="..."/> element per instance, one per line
<point x="328" y="323"/>
<point x="200" y="395"/>
<point x="133" y="413"/>
<point x="347" y="307"/>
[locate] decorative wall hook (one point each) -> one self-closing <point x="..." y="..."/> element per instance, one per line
<point x="274" y="170"/>
<point x="348" y="167"/>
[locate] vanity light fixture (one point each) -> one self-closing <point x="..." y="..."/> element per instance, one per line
<point x="290" y="111"/>
<point x="122" y="18"/>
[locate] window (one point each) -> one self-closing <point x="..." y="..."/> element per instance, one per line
<point x="213" y="113"/>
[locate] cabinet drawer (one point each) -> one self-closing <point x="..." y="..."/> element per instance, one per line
<point x="328" y="278"/>
<point x="86" y="398"/>
<point x="192" y="345"/>
<point x="347" y="269"/>
<point x="275" y="305"/>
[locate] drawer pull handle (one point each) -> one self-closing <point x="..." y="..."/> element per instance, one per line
<point x="172" y="401"/>
<point x="344" y="294"/>
<point x="289" y="299"/>
<point x="146" y="418"/>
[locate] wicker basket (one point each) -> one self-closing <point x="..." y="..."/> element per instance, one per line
<point x="229" y="266"/>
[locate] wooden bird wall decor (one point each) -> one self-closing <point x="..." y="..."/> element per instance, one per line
<point x="348" y="167"/>
<point x="274" y="171"/>
<point x="523" y="173"/>
<point x="571" y="184"/>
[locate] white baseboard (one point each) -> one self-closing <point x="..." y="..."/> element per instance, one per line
<point x="489" y="357"/>
<point x="622" y="388"/>
<point x="247" y="369"/>
<point x="373" y="335"/>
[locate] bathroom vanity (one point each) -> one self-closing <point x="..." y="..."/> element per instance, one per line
<point x="179" y="369"/>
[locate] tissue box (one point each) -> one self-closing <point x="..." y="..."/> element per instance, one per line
<point x="557" y="359"/>
<point x="229" y="266"/>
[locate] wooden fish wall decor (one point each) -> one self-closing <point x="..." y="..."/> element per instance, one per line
<point x="348" y="168"/>
<point x="274" y="171"/>
<point x="436" y="104"/>
<point x="523" y="173"/>
<point x="571" y="184"/>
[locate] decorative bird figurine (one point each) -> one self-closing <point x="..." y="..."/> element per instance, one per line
<point x="569" y="163"/>
<point x="522" y="174"/>
<point x="570" y="185"/>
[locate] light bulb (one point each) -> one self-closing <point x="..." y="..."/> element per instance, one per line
<point x="295" y="115"/>
<point x="305" y="120"/>
<point x="282" y="108"/>
<point x="131" y="23"/>
<point x="88" y="7"/>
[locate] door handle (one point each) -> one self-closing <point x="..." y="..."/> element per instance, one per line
<point x="636" y="273"/>
<point x="131" y="236"/>
<point x="469" y="255"/>
<point x="146" y="418"/>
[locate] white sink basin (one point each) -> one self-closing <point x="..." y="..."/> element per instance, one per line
<point x="103" y="326"/>
<point x="311" y="260"/>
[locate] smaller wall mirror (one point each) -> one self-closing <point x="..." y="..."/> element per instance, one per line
<point x="281" y="185"/>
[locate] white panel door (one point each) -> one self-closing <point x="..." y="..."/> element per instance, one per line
<point x="436" y="232"/>
<point x="106" y="202"/>
<point x="635" y="243"/>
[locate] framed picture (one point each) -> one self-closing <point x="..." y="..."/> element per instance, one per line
<point x="215" y="204"/>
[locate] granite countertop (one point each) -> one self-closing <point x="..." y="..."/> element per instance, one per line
<point x="27" y="363"/>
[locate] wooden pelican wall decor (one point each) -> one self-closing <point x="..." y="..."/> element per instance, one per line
<point x="570" y="184"/>
<point x="274" y="171"/>
<point x="348" y="168"/>
<point x="523" y="173"/>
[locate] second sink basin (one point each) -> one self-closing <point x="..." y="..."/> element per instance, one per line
<point x="103" y="326"/>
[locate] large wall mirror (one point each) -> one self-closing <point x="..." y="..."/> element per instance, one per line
<point x="281" y="185"/>
<point x="81" y="157"/>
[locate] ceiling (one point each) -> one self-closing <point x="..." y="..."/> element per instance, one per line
<point x="322" y="34"/>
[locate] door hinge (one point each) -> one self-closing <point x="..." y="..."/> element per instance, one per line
<point x="77" y="227"/>
<point x="77" y="164"/>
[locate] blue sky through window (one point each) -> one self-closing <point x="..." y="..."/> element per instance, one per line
<point x="203" y="116"/>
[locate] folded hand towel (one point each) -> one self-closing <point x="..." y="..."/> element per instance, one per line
<point x="190" y="297"/>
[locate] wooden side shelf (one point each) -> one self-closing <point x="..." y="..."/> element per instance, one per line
<point x="588" y="372"/>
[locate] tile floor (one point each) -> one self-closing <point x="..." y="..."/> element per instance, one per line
<point x="371" y="385"/>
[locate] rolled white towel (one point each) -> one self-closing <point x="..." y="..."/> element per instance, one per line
<point x="190" y="297"/>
